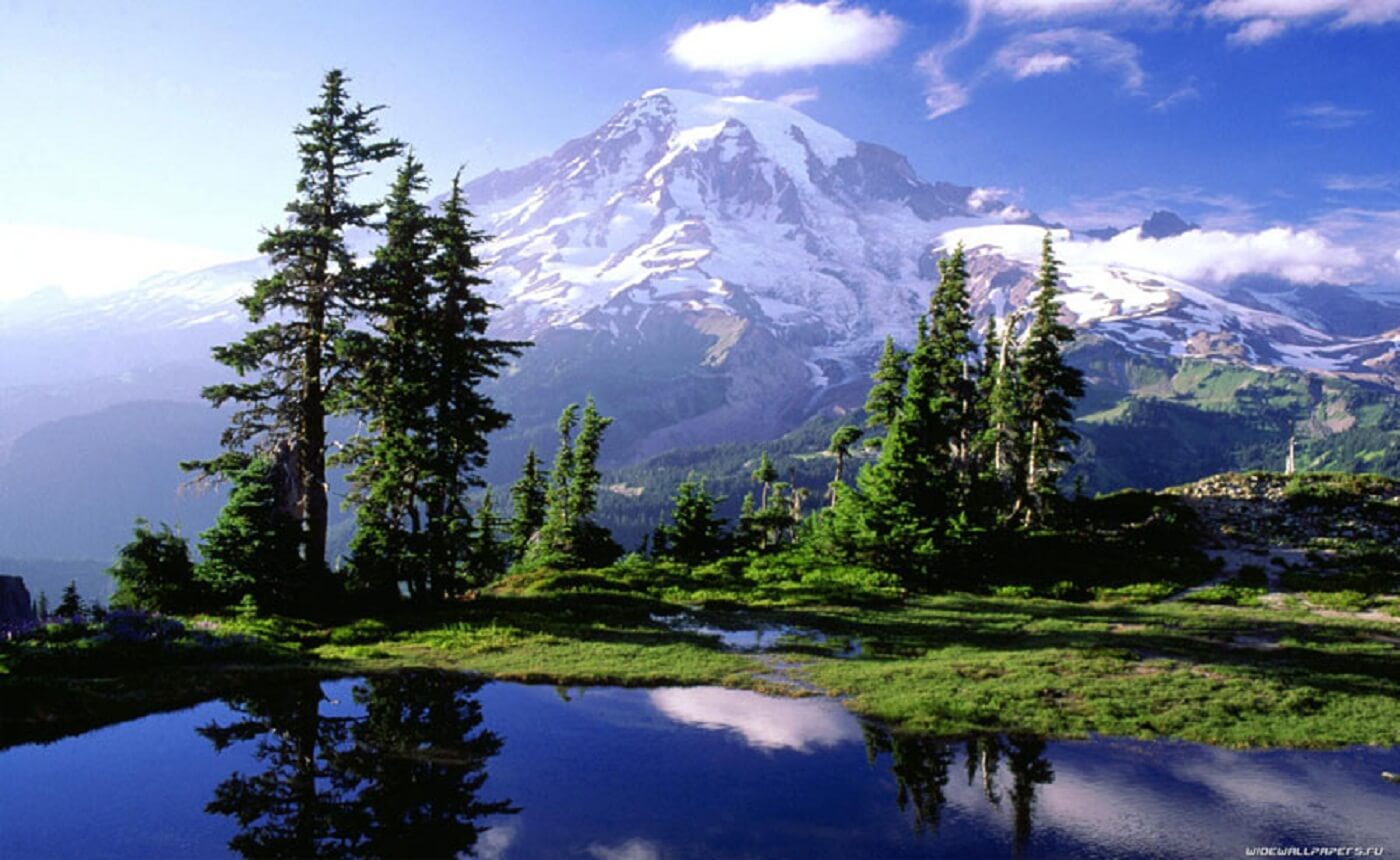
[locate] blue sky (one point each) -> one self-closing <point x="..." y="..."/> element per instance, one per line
<point x="143" y="135"/>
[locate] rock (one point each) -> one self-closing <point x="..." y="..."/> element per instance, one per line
<point x="16" y="610"/>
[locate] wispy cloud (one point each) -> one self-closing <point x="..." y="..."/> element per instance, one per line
<point x="1036" y="54"/>
<point x="799" y="97"/>
<point x="788" y="36"/>
<point x="1057" y="51"/>
<point x="1073" y="8"/>
<point x="1326" y="115"/>
<point x="1362" y="182"/>
<point x="1258" y="21"/>
<point x="1187" y="92"/>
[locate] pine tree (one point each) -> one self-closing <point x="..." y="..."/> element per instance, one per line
<point x="840" y="447"/>
<point x="421" y="365"/>
<point x="490" y="555"/>
<point x="292" y="359"/>
<point x="154" y="572"/>
<point x="1049" y="387"/>
<point x="746" y="533"/>
<point x="251" y="550"/>
<point x="765" y="474"/>
<point x="529" y="500"/>
<point x="886" y="397"/>
<point x="696" y="534"/>
<point x="1003" y="437"/>
<point x="70" y="605"/>
<point x="569" y="537"/>
<point x="41" y="607"/>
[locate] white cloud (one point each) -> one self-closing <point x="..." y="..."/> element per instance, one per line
<point x="765" y="722"/>
<point x="1185" y="93"/>
<point x="799" y="97"/>
<point x="1299" y="255"/>
<point x="86" y="262"/>
<point x="496" y="841"/>
<point x="1326" y="115"/>
<point x="1059" y="50"/>
<point x="1041" y="63"/>
<point x="632" y="849"/>
<point x="1362" y="182"/>
<point x="791" y="35"/>
<point x="1260" y="20"/>
<point x="1257" y="32"/>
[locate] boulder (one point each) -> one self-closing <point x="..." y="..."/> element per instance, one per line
<point x="16" y="609"/>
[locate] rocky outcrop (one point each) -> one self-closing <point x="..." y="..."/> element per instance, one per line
<point x="16" y="609"/>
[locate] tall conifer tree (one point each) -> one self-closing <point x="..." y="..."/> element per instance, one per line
<point x="1049" y="385"/>
<point x="289" y="367"/>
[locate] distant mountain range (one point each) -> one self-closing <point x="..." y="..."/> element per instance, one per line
<point x="713" y="269"/>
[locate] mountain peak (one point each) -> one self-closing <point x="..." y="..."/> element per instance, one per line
<point x="1163" y="225"/>
<point x="702" y="116"/>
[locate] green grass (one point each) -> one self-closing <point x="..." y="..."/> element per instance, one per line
<point x="1114" y="661"/>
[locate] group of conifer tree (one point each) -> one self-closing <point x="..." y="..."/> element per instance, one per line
<point x="399" y="343"/>
<point x="971" y="434"/>
<point x="968" y="437"/>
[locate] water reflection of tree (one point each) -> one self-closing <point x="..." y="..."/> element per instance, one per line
<point x="920" y="765"/>
<point x="402" y="778"/>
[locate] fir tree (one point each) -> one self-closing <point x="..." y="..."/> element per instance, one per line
<point x="153" y="571"/>
<point x="1049" y="386"/>
<point x="765" y="474"/>
<point x="886" y="397"/>
<point x="292" y="360"/>
<point x="696" y="534"/>
<point x="41" y="607"/>
<point x="569" y="536"/>
<point x="421" y="366"/>
<point x="251" y="550"/>
<point x="840" y="447"/>
<point x="490" y="555"/>
<point x="746" y="533"/>
<point x="70" y="605"/>
<point x="529" y="502"/>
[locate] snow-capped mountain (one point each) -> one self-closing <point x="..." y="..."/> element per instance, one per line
<point x="733" y="264"/>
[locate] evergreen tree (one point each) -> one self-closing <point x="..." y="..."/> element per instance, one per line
<point x="41" y="607"/>
<point x="153" y="571"/>
<point x="765" y="474"/>
<point x="70" y="605"/>
<point x="421" y="365"/>
<point x="251" y="550"/>
<point x="529" y="502"/>
<point x="490" y="555"/>
<point x="840" y="447"/>
<point x="886" y="397"/>
<point x="746" y="533"/>
<point x="292" y="359"/>
<point x="1003" y="436"/>
<point x="696" y="534"/>
<point x="1049" y="386"/>
<point x="569" y="536"/>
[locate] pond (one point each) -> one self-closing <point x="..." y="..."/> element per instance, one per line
<point x="426" y="764"/>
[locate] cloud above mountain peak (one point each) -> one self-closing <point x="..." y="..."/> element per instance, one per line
<point x="788" y="36"/>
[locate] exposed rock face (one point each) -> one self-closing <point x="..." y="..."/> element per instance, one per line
<point x="16" y="609"/>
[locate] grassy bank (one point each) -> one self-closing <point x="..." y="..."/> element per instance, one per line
<point x="952" y="664"/>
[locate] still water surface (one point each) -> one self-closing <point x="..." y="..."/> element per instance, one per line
<point x="441" y="765"/>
